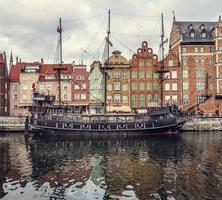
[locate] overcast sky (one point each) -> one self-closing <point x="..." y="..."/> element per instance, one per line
<point x="28" y="27"/>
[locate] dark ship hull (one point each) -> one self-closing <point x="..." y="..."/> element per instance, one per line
<point x="126" y="124"/>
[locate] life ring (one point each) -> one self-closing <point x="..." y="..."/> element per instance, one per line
<point x="85" y="126"/>
<point x="121" y="126"/>
<point x="139" y="125"/>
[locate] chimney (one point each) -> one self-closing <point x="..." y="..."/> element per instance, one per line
<point x="16" y="59"/>
<point x="42" y="61"/>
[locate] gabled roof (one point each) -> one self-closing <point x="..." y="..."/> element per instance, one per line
<point x="186" y="27"/>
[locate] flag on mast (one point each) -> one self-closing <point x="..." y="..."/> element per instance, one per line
<point x="59" y="30"/>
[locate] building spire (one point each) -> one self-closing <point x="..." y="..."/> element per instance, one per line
<point x="11" y="59"/>
<point x="220" y="18"/>
<point x="174" y="18"/>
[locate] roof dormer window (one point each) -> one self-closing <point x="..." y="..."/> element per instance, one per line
<point x="203" y="33"/>
<point x="192" y="33"/>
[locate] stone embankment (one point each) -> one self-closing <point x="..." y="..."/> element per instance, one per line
<point x="12" y="123"/>
<point x="203" y="124"/>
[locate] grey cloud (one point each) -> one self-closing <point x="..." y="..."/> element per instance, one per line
<point x="29" y="27"/>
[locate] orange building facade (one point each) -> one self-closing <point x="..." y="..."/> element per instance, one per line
<point x="145" y="82"/>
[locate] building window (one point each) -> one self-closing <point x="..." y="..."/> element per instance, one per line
<point x="184" y="62"/>
<point x="203" y="34"/>
<point x="149" y="86"/>
<point x="109" y="99"/>
<point x="210" y="61"/>
<point x="77" y="86"/>
<point x="80" y="77"/>
<point x="201" y="49"/>
<point x="174" y="74"/>
<point x="65" y="87"/>
<point x="184" y="50"/>
<point x="24" y="97"/>
<point x="148" y="62"/>
<point x="185" y="99"/>
<point x="109" y="86"/>
<point x="14" y="87"/>
<point x="83" y="86"/>
<point x="170" y="63"/>
<point x="200" y="85"/>
<point x="141" y="101"/>
<point x="148" y="74"/>
<point x="134" y="101"/>
<point x="174" y="99"/>
<point x="192" y="33"/>
<point x="174" y="86"/>
<point x="25" y="87"/>
<point x="65" y="96"/>
<point x="196" y="60"/>
<point x="134" y="86"/>
<point x="167" y="75"/>
<point x="77" y="96"/>
<point x="167" y="100"/>
<point x="200" y="98"/>
<point x="167" y="86"/>
<point x="185" y="85"/>
<point x="195" y="49"/>
<point x="117" y="98"/>
<point x="155" y="75"/>
<point x="134" y="75"/>
<point x="15" y="107"/>
<point x="156" y="86"/>
<point x="117" y="74"/>
<point x="83" y="96"/>
<point x="141" y="74"/>
<point x="124" y="75"/>
<point x="202" y="61"/>
<point x="156" y="98"/>
<point x="141" y="86"/>
<point x="109" y="74"/>
<point x="200" y="73"/>
<point x="15" y="96"/>
<point x="125" y="99"/>
<point x="149" y="98"/>
<point x="116" y="85"/>
<point x="124" y="86"/>
<point x="141" y="62"/>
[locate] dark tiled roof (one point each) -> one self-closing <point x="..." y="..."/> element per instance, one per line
<point x="196" y="27"/>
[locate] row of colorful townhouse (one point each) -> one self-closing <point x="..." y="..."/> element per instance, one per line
<point x="193" y="67"/>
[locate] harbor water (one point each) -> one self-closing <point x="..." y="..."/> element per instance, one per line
<point x="185" y="167"/>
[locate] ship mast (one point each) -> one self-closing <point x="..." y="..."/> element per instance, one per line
<point x="60" y="68"/>
<point x="162" y="70"/>
<point x="107" y="63"/>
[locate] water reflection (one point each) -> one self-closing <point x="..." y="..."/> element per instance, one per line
<point x="186" y="167"/>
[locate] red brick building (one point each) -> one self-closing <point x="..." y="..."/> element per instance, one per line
<point x="80" y="88"/>
<point x="4" y="86"/>
<point x="145" y="82"/>
<point x="198" y="46"/>
<point x="172" y="82"/>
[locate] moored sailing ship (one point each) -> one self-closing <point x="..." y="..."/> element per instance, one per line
<point x="47" y="117"/>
